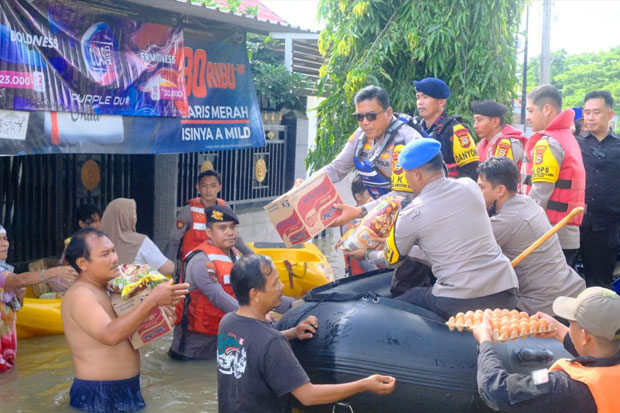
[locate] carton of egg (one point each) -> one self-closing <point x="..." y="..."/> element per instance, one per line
<point x="505" y="324"/>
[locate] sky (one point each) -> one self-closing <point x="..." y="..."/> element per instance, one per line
<point x="577" y="26"/>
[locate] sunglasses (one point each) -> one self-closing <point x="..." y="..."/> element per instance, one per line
<point x="370" y="116"/>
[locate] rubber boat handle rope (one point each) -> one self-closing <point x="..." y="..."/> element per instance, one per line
<point x="547" y="235"/>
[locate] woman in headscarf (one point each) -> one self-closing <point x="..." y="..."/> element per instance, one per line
<point x="12" y="290"/>
<point x="119" y="224"/>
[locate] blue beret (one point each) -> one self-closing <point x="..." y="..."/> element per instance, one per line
<point x="418" y="152"/>
<point x="578" y="113"/>
<point x="220" y="213"/>
<point x="433" y="87"/>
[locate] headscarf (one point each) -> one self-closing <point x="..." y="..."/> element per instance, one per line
<point x="3" y="265"/>
<point x="9" y="297"/>
<point x="119" y="224"/>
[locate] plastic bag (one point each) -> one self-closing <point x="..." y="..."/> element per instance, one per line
<point x="376" y="224"/>
<point x="134" y="278"/>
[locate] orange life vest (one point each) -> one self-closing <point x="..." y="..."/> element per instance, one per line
<point x="601" y="381"/>
<point x="570" y="187"/>
<point x="196" y="234"/>
<point x="201" y="315"/>
<point x="502" y="145"/>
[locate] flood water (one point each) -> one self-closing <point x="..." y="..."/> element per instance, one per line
<point x="44" y="371"/>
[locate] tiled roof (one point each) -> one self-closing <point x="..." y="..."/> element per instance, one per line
<point x="264" y="13"/>
<point x="266" y="21"/>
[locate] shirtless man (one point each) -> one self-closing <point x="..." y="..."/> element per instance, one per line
<point x="106" y="366"/>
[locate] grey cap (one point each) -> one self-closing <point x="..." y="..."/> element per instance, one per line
<point x="596" y="310"/>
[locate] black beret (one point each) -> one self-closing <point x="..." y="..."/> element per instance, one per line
<point x="220" y="213"/>
<point x="489" y="108"/>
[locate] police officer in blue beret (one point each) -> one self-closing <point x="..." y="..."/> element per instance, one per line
<point x="447" y="227"/>
<point x="457" y="145"/>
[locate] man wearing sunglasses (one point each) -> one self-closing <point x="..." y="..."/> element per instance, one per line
<point x="374" y="147"/>
<point x="457" y="145"/>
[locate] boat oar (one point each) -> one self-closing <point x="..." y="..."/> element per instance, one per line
<point x="547" y="235"/>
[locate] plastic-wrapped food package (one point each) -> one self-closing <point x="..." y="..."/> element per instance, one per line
<point x="376" y="224"/>
<point x="134" y="278"/>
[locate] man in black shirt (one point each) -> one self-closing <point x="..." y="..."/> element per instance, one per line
<point x="600" y="149"/>
<point x="257" y="370"/>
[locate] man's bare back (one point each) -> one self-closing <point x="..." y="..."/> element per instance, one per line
<point x="84" y="305"/>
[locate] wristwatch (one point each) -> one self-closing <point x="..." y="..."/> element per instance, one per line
<point x="364" y="212"/>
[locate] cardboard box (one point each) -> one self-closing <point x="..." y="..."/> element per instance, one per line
<point x="305" y="211"/>
<point x="155" y="325"/>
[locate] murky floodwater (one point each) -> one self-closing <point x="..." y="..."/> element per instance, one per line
<point x="44" y="371"/>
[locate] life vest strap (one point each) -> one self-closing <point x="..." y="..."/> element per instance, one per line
<point x="557" y="206"/>
<point x="563" y="183"/>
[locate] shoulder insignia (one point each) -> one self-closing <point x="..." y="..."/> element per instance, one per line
<point x="180" y="224"/>
<point x="463" y="147"/>
<point x="399" y="182"/>
<point x="545" y="167"/>
<point x="504" y="149"/>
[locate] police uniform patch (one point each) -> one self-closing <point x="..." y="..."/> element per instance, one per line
<point x="545" y="167"/>
<point x="463" y="147"/>
<point x="463" y="136"/>
<point x="504" y="149"/>
<point x="399" y="182"/>
<point x="180" y="224"/>
<point x="390" y="252"/>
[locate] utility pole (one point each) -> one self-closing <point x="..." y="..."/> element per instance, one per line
<point x="524" y="93"/>
<point x="545" y="50"/>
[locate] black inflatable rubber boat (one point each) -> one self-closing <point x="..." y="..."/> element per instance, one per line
<point x="363" y="331"/>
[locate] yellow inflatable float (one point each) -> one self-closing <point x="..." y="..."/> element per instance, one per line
<point x="39" y="317"/>
<point x="301" y="269"/>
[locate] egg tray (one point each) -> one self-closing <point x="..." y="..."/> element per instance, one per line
<point x="505" y="324"/>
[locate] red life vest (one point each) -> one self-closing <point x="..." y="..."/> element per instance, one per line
<point x="196" y="233"/>
<point x="502" y="145"/>
<point x="201" y="315"/>
<point x="570" y="187"/>
<point x="352" y="266"/>
<point x="601" y="381"/>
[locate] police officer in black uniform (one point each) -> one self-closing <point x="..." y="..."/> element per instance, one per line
<point x="457" y="145"/>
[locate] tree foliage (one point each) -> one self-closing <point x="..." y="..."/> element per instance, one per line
<point x="470" y="44"/>
<point x="273" y="82"/>
<point x="575" y="75"/>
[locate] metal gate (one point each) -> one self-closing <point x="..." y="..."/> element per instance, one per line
<point x="248" y="175"/>
<point x="39" y="194"/>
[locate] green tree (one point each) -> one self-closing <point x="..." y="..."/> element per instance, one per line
<point x="470" y="44"/>
<point x="273" y="82"/>
<point x="577" y="74"/>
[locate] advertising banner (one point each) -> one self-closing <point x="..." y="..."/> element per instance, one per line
<point x="65" y="57"/>
<point x="222" y="111"/>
